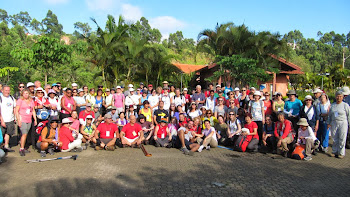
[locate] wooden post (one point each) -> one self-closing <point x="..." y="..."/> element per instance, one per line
<point x="274" y="83"/>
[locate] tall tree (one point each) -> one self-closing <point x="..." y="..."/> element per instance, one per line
<point x="83" y="29"/>
<point x="51" y="25"/>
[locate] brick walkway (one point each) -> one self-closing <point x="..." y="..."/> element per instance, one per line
<point x="218" y="172"/>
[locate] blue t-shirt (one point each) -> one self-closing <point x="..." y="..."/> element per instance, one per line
<point x="294" y="106"/>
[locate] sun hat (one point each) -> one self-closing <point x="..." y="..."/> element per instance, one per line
<point x="108" y="90"/>
<point x="245" y="130"/>
<point x="252" y="88"/>
<point x="185" y="89"/>
<point x="303" y="122"/>
<point x="80" y="90"/>
<point x="131" y="89"/>
<point x="317" y="90"/>
<point x="95" y="106"/>
<point x="165" y="82"/>
<point x="29" y="84"/>
<point x="150" y="85"/>
<point x="74" y="85"/>
<point x="193" y="103"/>
<point x="66" y="120"/>
<point x="130" y="86"/>
<point x="291" y="92"/>
<point x="108" y="116"/>
<point x="64" y="89"/>
<point x="204" y="107"/>
<point x="236" y="89"/>
<point x="54" y="84"/>
<point x="88" y="105"/>
<point x="118" y="87"/>
<point x="257" y="93"/>
<point x="141" y="83"/>
<point x="89" y="117"/>
<point x="39" y="89"/>
<point x="308" y="97"/>
<point x="218" y="86"/>
<point x="346" y="90"/>
<point x="51" y="91"/>
<point x="113" y="108"/>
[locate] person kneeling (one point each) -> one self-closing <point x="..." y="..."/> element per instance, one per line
<point x="49" y="139"/>
<point x="68" y="141"/>
<point x="88" y="131"/>
<point x="131" y="134"/>
<point x="307" y="137"/>
<point x="106" y="134"/>
<point x="162" y="136"/>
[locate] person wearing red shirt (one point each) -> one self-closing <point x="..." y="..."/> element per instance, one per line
<point x="162" y="134"/>
<point x="182" y="120"/>
<point x="253" y="135"/>
<point x="83" y="114"/>
<point x="283" y="133"/>
<point x="106" y="134"/>
<point x="131" y="134"/>
<point x="267" y="104"/>
<point x="68" y="141"/>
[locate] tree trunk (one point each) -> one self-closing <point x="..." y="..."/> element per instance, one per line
<point x="103" y="76"/>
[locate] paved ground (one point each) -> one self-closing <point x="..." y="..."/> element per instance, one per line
<point x="218" y="172"/>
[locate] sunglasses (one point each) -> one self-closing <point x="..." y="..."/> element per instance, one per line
<point x="40" y="92"/>
<point x="244" y="90"/>
<point x="231" y="114"/>
<point x="221" y="100"/>
<point x="21" y="86"/>
<point x="231" y="94"/>
<point x="209" y="113"/>
<point x="69" y="92"/>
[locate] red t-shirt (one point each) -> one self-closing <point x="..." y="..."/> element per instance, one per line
<point x="182" y="124"/>
<point x="131" y="131"/>
<point x="107" y="130"/>
<point x="187" y="98"/>
<point x="228" y="102"/>
<point x="83" y="114"/>
<point x="268" y="107"/>
<point x="197" y="130"/>
<point x="283" y="129"/>
<point x="65" y="137"/>
<point x="162" y="131"/>
<point x="41" y="101"/>
<point x="251" y="128"/>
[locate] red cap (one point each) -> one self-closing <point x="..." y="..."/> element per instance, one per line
<point x="150" y="85"/>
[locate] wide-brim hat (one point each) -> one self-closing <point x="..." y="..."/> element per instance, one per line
<point x="317" y="90"/>
<point x="66" y="120"/>
<point x="303" y="122"/>
<point x="346" y="90"/>
<point x="257" y="93"/>
<point x="291" y="92"/>
<point x="308" y="97"/>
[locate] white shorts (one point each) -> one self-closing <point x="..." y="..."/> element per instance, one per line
<point x="131" y="140"/>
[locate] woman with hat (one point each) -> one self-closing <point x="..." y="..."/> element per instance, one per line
<point x="68" y="141"/>
<point x="292" y="108"/>
<point x="338" y="121"/>
<point x="307" y="137"/>
<point x="49" y="139"/>
<point x="311" y="113"/>
<point x="256" y="108"/>
<point x="24" y="112"/>
<point x="88" y="131"/>
<point x="54" y="104"/>
<point x="162" y="136"/>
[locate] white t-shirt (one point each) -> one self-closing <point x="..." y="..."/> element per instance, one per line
<point x="79" y="100"/>
<point x="234" y="126"/>
<point x="166" y="100"/>
<point x="153" y="100"/>
<point x="256" y="110"/>
<point x="308" y="133"/>
<point x="179" y="101"/>
<point x="109" y="101"/>
<point x="194" y="114"/>
<point x="7" y="108"/>
<point x="311" y="112"/>
<point x="210" y="104"/>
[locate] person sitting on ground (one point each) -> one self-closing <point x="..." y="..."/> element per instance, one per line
<point x="162" y="135"/>
<point x="183" y="120"/>
<point x="84" y="113"/>
<point x="131" y="134"/>
<point x="221" y="130"/>
<point x="147" y="129"/>
<point x="209" y="116"/>
<point x="307" y="137"/>
<point x="75" y="126"/>
<point x="88" y="131"/>
<point x="183" y="141"/>
<point x="283" y="134"/>
<point x="131" y="112"/>
<point x="234" y="129"/>
<point x="68" y="141"/>
<point x="269" y="139"/>
<point x="210" y="139"/>
<point x="253" y="133"/>
<point x="196" y="130"/>
<point x="49" y="139"/>
<point x="106" y="134"/>
<point x="121" y="121"/>
<point x="173" y="126"/>
<point x="114" y="114"/>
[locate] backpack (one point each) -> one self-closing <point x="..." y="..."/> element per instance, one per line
<point x="39" y="129"/>
<point x="42" y="114"/>
<point x="13" y="99"/>
<point x="299" y="152"/>
<point x="242" y="143"/>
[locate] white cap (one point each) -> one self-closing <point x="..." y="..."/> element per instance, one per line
<point x="236" y="89"/>
<point x="64" y="89"/>
<point x="30" y="84"/>
<point x="66" y="120"/>
<point x="257" y="93"/>
<point x="74" y="85"/>
<point x="218" y="85"/>
<point x="346" y="90"/>
<point x="130" y="86"/>
<point x="39" y="89"/>
<point x="131" y="89"/>
<point x="317" y="90"/>
<point x="80" y="90"/>
<point x="185" y="89"/>
<point x="89" y="116"/>
<point x="118" y="87"/>
<point x="252" y="88"/>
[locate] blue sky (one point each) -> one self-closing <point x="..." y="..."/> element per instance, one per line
<point x="193" y="16"/>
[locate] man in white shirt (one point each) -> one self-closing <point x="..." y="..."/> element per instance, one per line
<point x="109" y="100"/>
<point x="7" y="105"/>
<point x="210" y="101"/>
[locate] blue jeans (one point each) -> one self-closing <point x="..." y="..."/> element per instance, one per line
<point x="323" y="134"/>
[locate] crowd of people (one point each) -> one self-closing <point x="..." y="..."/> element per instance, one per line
<point x="54" y="119"/>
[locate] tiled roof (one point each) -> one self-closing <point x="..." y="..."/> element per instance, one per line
<point x="188" y="68"/>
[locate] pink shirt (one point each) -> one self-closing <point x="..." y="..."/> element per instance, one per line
<point x="75" y="125"/>
<point x="118" y="100"/>
<point x="68" y="103"/>
<point x="25" y="110"/>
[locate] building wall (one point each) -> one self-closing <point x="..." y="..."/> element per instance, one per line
<point x="281" y="84"/>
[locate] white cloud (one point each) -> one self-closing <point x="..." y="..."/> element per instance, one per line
<point x="131" y="12"/>
<point x="100" y="5"/>
<point x="56" y="1"/>
<point x="167" y="25"/>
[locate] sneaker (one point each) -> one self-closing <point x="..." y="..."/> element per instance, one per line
<point x="21" y="152"/>
<point x="308" y="158"/>
<point x="157" y="144"/>
<point x="51" y="152"/>
<point x="208" y="147"/>
<point x="78" y="149"/>
<point x="110" y="148"/>
<point x="132" y="145"/>
<point x="42" y="153"/>
<point x="169" y="146"/>
<point x="314" y="152"/>
<point x="26" y="151"/>
<point x="9" y="150"/>
<point x="340" y="156"/>
<point x="201" y="148"/>
<point x="325" y="149"/>
<point x="285" y="154"/>
<point x="86" y="146"/>
<point x="185" y="150"/>
<point x="98" y="148"/>
<point x="146" y="142"/>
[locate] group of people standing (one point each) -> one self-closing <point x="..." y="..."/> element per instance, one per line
<point x="53" y="119"/>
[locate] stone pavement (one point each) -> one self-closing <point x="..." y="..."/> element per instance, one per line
<point x="218" y="172"/>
